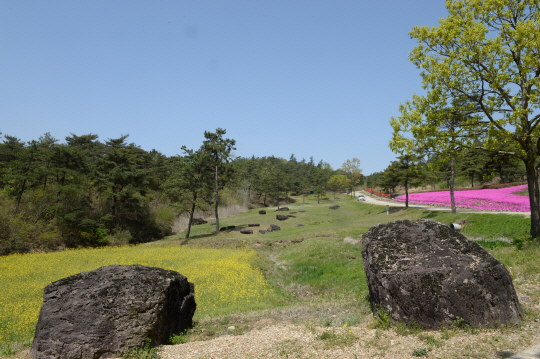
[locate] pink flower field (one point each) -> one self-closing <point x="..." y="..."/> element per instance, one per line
<point x="500" y="199"/>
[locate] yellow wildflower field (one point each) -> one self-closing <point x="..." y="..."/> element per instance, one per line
<point x="225" y="280"/>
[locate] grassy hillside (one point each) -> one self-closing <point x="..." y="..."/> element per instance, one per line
<point x="310" y="274"/>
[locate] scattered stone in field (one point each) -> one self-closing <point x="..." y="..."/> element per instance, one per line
<point x="246" y="231"/>
<point x="231" y="227"/>
<point x="231" y="327"/>
<point x="253" y="225"/>
<point x="212" y="223"/>
<point x="197" y="221"/>
<point x="223" y="228"/>
<point x="262" y="231"/>
<point x="291" y="216"/>
<point x="425" y="272"/>
<point x="281" y="217"/>
<point x="110" y="310"/>
<point x="352" y="241"/>
<point x="301" y="211"/>
<point x="293" y="213"/>
<point x="282" y="209"/>
<point x="262" y="211"/>
<point x="334" y="207"/>
<point x="300" y="225"/>
<point x="273" y="227"/>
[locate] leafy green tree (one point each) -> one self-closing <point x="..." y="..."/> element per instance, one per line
<point x="190" y="186"/>
<point x="220" y="150"/>
<point x="353" y="171"/>
<point x="338" y="183"/>
<point x="487" y="52"/>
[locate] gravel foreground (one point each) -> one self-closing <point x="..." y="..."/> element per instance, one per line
<point x="297" y="341"/>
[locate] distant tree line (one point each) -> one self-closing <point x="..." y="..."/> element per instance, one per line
<point x="86" y="192"/>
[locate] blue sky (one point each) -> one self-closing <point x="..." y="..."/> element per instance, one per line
<point x="309" y="77"/>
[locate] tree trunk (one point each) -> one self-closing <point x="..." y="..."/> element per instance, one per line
<point x="191" y="215"/>
<point x="217" y="199"/>
<point x="534" y="197"/>
<point x="472" y="179"/>
<point x="501" y="173"/>
<point x="452" y="175"/>
<point x="278" y="198"/>
<point x="19" y="197"/>
<point x="406" y="194"/>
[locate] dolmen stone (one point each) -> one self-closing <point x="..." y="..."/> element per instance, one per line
<point x="246" y="231"/>
<point x="262" y="211"/>
<point x="426" y="273"/>
<point x="197" y="221"/>
<point x="110" y="310"/>
<point x="273" y="227"/>
<point x="334" y="207"/>
<point x="253" y="225"/>
<point x="262" y="231"/>
<point x="282" y="209"/>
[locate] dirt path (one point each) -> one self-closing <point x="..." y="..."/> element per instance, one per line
<point x="372" y="199"/>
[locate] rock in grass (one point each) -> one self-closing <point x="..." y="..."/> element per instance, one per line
<point x="223" y="228"/>
<point x="425" y="272"/>
<point x="262" y="231"/>
<point x="301" y="211"/>
<point x="300" y="225"/>
<point x="334" y="207"/>
<point x="110" y="310"/>
<point x="231" y="227"/>
<point x="352" y="241"/>
<point x="282" y="209"/>
<point x="262" y="211"/>
<point x="253" y="225"/>
<point x="197" y="221"/>
<point x="273" y="227"/>
<point x="281" y="217"/>
<point x="291" y="216"/>
<point x="246" y="231"/>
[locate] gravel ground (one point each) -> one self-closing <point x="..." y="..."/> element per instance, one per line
<point x="288" y="340"/>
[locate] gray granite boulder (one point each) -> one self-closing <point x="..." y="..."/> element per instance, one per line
<point x="246" y="231"/>
<point x="425" y="272"/>
<point x="111" y="310"/>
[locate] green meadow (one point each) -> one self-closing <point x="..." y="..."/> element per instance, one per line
<point x="305" y="269"/>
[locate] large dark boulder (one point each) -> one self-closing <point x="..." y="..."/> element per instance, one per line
<point x="262" y="211"/>
<point x="282" y="209"/>
<point x="111" y="310"/>
<point x="246" y="231"/>
<point x="253" y="225"/>
<point x="281" y="217"/>
<point x="334" y="207"/>
<point x="428" y="273"/>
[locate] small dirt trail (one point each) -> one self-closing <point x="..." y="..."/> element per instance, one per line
<point x="388" y="202"/>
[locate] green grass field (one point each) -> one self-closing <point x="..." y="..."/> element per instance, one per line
<point x="308" y="269"/>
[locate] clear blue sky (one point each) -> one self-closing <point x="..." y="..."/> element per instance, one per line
<point x="309" y="77"/>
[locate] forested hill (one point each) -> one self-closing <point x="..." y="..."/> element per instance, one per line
<point x="85" y="192"/>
